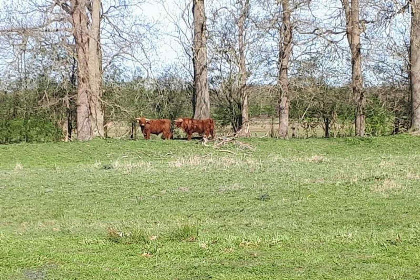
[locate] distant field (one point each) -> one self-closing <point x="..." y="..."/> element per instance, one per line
<point x="344" y="208"/>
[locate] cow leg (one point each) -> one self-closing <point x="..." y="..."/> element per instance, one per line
<point x="165" y="135"/>
<point x="148" y="135"/>
<point x="212" y="133"/>
<point x="189" y="136"/>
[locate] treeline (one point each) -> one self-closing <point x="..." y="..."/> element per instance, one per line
<point x="68" y="70"/>
<point x="47" y="111"/>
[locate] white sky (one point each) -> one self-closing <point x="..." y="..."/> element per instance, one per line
<point x="168" y="51"/>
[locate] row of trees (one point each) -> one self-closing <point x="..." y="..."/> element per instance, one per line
<point x="354" y="27"/>
<point x="286" y="19"/>
<point x="88" y="44"/>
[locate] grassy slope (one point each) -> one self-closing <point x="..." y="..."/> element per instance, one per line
<point x="298" y="209"/>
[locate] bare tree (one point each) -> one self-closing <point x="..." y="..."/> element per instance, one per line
<point x="75" y="28"/>
<point x="95" y="70"/>
<point x="285" y="50"/>
<point x="201" y="88"/>
<point x="415" y="64"/>
<point x="235" y="45"/>
<point x="353" y="30"/>
<point x="85" y="19"/>
<point x="243" y="75"/>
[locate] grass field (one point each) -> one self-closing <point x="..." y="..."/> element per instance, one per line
<point x="299" y="209"/>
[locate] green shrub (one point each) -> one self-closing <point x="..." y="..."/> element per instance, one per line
<point x="35" y="129"/>
<point x="379" y="121"/>
<point x="262" y="109"/>
<point x="228" y="114"/>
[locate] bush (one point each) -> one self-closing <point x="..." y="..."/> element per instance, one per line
<point x="35" y="129"/>
<point x="228" y="114"/>
<point x="379" y="121"/>
<point x="33" y="114"/>
<point x="261" y="110"/>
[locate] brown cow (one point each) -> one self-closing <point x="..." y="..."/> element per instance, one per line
<point x="155" y="127"/>
<point x="190" y="126"/>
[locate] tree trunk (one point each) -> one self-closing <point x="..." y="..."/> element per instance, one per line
<point x="73" y="82"/>
<point x="86" y="32"/>
<point x="95" y="71"/>
<point x="396" y="126"/>
<point x="67" y="121"/>
<point x="285" y="50"/>
<point x="415" y="64"/>
<point x="243" y="75"/>
<point x="327" y="127"/>
<point x="201" y="90"/>
<point x="353" y="37"/>
<point x="81" y="35"/>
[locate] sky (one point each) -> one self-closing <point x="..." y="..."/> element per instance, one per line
<point x="339" y="62"/>
<point x="164" y="50"/>
<point x="167" y="49"/>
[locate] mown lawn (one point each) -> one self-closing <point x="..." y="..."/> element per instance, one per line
<point x="297" y="209"/>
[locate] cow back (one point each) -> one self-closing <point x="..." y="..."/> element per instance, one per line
<point x="159" y="125"/>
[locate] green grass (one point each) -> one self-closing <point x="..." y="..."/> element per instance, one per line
<point x="299" y="209"/>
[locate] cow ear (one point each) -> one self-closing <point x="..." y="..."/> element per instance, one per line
<point x="147" y="120"/>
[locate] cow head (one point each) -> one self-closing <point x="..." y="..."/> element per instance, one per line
<point x="143" y="121"/>
<point x="178" y="122"/>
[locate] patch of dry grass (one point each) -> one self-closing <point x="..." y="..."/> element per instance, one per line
<point x="385" y="163"/>
<point x="125" y="166"/>
<point x="386" y="185"/>
<point x="317" y="159"/>
<point x="314" y="159"/>
<point x="413" y="176"/>
<point x="18" y="166"/>
<point x="233" y="187"/>
<point x="206" y="161"/>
